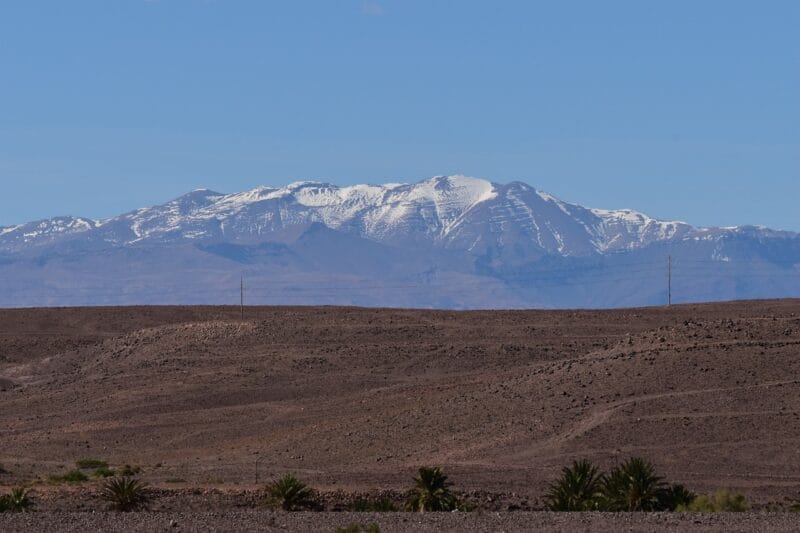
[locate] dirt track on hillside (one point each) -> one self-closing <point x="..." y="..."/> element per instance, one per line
<point x="357" y="399"/>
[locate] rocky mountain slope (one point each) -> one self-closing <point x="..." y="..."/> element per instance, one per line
<point x="449" y="241"/>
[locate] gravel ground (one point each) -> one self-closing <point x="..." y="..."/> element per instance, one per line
<point x="244" y="521"/>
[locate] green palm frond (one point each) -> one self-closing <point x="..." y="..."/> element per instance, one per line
<point x="578" y="488"/>
<point x="289" y="493"/>
<point x="632" y="486"/>
<point x="124" y="493"/>
<point x="431" y="492"/>
<point x="18" y="501"/>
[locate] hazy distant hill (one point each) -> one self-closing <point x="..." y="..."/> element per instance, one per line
<point x="449" y="241"/>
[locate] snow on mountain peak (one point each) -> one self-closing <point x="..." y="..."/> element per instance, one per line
<point x="377" y="209"/>
<point x="627" y="228"/>
<point x="457" y="211"/>
<point x="467" y="189"/>
<point x="8" y="229"/>
<point x="452" y="241"/>
<point x="44" y="231"/>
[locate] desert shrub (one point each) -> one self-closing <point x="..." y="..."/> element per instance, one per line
<point x="91" y="463"/>
<point x="465" y="506"/>
<point x="578" y="488"/>
<point x="17" y="501"/>
<point x="721" y="501"/>
<point x="104" y="472"/>
<point x="632" y="486"/>
<point x="73" y="476"/>
<point x="289" y="493"/>
<point x="674" y="496"/>
<point x="379" y="505"/>
<point x="359" y="528"/>
<point x="431" y="492"/>
<point x="129" y="471"/>
<point x="124" y="493"/>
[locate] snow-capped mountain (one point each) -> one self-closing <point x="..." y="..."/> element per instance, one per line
<point x="444" y="210"/>
<point x="448" y="241"/>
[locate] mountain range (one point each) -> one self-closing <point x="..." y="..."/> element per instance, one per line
<point x="447" y="242"/>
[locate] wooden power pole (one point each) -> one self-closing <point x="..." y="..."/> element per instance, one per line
<point x="669" y="280"/>
<point x="241" y="297"/>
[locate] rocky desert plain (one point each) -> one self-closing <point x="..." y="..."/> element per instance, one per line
<point x="212" y="406"/>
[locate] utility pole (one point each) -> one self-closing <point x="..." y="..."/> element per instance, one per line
<point x="669" y="280"/>
<point x="241" y="297"/>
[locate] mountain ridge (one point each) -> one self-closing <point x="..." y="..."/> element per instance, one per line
<point x="205" y="204"/>
<point x="501" y="244"/>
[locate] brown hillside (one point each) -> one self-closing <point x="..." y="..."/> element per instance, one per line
<point x="358" y="398"/>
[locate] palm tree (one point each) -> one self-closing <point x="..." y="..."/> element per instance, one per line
<point x="674" y="496"/>
<point x="578" y="488"/>
<point x="431" y="492"/>
<point x="17" y="501"/>
<point x="633" y="486"/>
<point x="289" y="492"/>
<point x="125" y="493"/>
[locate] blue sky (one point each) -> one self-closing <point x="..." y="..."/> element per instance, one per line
<point x="681" y="109"/>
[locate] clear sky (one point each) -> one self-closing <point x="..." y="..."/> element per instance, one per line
<point x="682" y="109"/>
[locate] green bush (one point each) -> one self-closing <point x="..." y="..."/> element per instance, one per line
<point x="17" y="501"/>
<point x="722" y="501"/>
<point x="73" y="476"/>
<point x="578" y="488"/>
<point x="91" y="463"/>
<point x="359" y="528"/>
<point x="431" y="492"/>
<point x="104" y="472"/>
<point x="289" y="493"/>
<point x="125" y="493"/>
<point x="380" y="505"/>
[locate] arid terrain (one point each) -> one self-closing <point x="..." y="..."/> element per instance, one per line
<point x="211" y="406"/>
